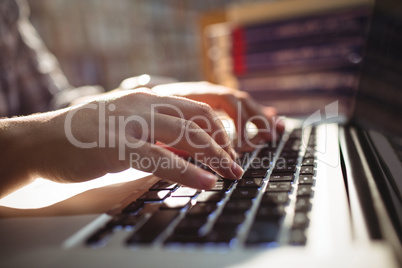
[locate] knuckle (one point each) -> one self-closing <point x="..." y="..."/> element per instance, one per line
<point x="244" y="95"/>
<point x="181" y="124"/>
<point x="205" y="109"/>
<point x="194" y="131"/>
<point x="192" y="126"/>
<point x="217" y="150"/>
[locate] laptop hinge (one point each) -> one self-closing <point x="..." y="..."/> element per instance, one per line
<point x="360" y="178"/>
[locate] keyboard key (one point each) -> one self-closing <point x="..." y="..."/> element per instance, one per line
<point x="163" y="185"/>
<point x="244" y="193"/>
<point x="244" y="154"/>
<point x="185" y="192"/>
<point x="297" y="237"/>
<point x="310" y="154"/>
<point x="302" y="204"/>
<point x="274" y="198"/>
<point x="296" y="133"/>
<point x="223" y="185"/>
<point x="263" y="232"/>
<point x="249" y="183"/>
<point x="201" y="209"/>
<point x="190" y="225"/>
<point x="255" y="173"/>
<point x="267" y="152"/>
<point x="175" y="202"/>
<point x="279" y="187"/>
<point x="179" y="238"/>
<point x="307" y="170"/>
<point x="308" y="162"/>
<point x="284" y="168"/>
<point x="300" y="220"/>
<point x="210" y="197"/>
<point x="229" y="221"/>
<point x="270" y="212"/>
<point x="281" y="177"/>
<point x="220" y="236"/>
<point x="236" y="206"/>
<point x="124" y="220"/>
<point x="306" y="179"/>
<point x="133" y="207"/>
<point x="153" y="227"/>
<point x="291" y="161"/>
<point x="100" y="237"/>
<point x="292" y="147"/>
<point x="260" y="163"/>
<point x="304" y="190"/>
<point x="293" y="141"/>
<point x="289" y="154"/>
<point x="154" y="195"/>
<point x="311" y="143"/>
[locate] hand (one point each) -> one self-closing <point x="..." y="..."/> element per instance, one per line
<point x="119" y="130"/>
<point x="237" y="104"/>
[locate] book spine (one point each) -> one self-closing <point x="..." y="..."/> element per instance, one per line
<point x="340" y="23"/>
<point x="335" y="81"/>
<point x="260" y="12"/>
<point x="333" y="54"/>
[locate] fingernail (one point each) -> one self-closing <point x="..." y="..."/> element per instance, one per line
<point x="237" y="170"/>
<point x="208" y="180"/>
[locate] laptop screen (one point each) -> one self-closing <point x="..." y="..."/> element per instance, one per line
<point x="379" y="96"/>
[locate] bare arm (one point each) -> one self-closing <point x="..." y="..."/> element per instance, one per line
<point x="17" y="143"/>
<point x="112" y="133"/>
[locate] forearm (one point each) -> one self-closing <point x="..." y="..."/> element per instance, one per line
<point x="20" y="146"/>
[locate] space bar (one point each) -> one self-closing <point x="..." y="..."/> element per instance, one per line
<point x="153" y="227"/>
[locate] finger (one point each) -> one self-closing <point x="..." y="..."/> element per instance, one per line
<point x="167" y="165"/>
<point x="188" y="136"/>
<point x="233" y="107"/>
<point x="178" y="152"/>
<point x="202" y="114"/>
<point x="263" y="122"/>
<point x="278" y="121"/>
<point x="265" y="118"/>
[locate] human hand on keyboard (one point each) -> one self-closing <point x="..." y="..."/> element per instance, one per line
<point x="119" y="130"/>
<point x="237" y="104"/>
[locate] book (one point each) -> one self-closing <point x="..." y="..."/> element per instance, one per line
<point x="334" y="39"/>
<point x="285" y="52"/>
<point x="262" y="12"/>
<point x="335" y="54"/>
<point x="333" y="80"/>
<point x="345" y="23"/>
<point x="307" y="103"/>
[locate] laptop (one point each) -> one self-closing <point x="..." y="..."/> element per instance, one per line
<point x="326" y="194"/>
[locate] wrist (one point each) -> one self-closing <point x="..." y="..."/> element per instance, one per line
<point x="20" y="143"/>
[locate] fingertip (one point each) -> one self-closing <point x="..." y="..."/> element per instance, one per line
<point x="269" y="111"/>
<point x="207" y="180"/>
<point x="237" y="170"/>
<point x="280" y="126"/>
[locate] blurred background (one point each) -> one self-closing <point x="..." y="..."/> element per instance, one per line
<point x="103" y="42"/>
<point x="296" y="55"/>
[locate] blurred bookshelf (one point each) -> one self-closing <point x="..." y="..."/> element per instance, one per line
<point x="259" y="46"/>
<point x="296" y="55"/>
<point x="103" y="41"/>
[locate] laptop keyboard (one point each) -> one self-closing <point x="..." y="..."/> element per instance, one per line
<point x="269" y="206"/>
